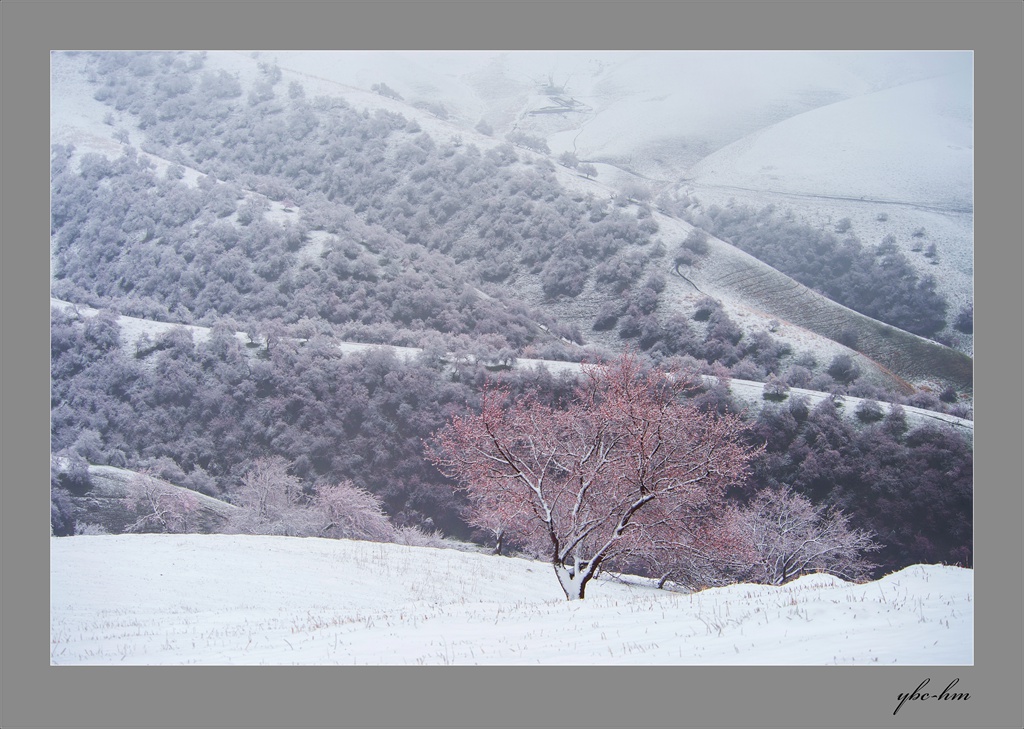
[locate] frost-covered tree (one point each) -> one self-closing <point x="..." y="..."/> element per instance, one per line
<point x="569" y="159"/>
<point x="775" y="388"/>
<point x="384" y="90"/>
<point x="349" y="512"/>
<point x="595" y="482"/>
<point x="270" y="501"/>
<point x="793" y="537"/>
<point x="159" y="506"/>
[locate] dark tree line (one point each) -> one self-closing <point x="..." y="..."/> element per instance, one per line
<point x="199" y="413"/>
<point x="877" y="281"/>
<point x="154" y="247"/>
<point x="912" y="487"/>
<point x="212" y="407"/>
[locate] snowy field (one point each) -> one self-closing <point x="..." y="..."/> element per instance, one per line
<point x="228" y="600"/>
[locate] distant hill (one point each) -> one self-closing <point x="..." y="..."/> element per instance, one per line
<point x="754" y="294"/>
<point x="103" y="502"/>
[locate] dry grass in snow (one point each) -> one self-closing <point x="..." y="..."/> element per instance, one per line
<point x="217" y="599"/>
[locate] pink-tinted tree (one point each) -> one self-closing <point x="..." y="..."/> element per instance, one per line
<point x="489" y="512"/>
<point x="793" y="537"/>
<point x="711" y="551"/>
<point x="593" y="484"/>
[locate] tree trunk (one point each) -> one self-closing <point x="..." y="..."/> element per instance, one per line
<point x="573" y="583"/>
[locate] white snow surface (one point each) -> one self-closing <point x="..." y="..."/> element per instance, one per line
<point x="911" y="144"/>
<point x="225" y="600"/>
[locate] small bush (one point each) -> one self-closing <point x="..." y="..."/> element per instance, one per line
<point x="843" y="369"/>
<point x="869" y="411"/>
<point x="696" y="241"/>
<point x="964" y="321"/>
<point x="607" y="316"/>
<point x="849" y="337"/>
<point x="62" y="517"/>
<point x="90" y="530"/>
<point x="775" y="389"/>
<point x="385" y="90"/>
<point x="705" y="308"/>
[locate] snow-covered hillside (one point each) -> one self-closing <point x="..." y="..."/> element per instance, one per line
<point x="217" y="599"/>
<point x="884" y="139"/>
<point x="656" y="112"/>
<point x="830" y="135"/>
<point x="896" y="162"/>
<point x="911" y="144"/>
<point x="747" y="392"/>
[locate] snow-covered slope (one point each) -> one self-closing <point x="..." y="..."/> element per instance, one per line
<point x="217" y="599"/>
<point x="656" y="112"/>
<point x="911" y="144"/>
<point x="871" y="126"/>
<point x="745" y="391"/>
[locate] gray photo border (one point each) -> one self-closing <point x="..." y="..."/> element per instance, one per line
<point x="34" y="694"/>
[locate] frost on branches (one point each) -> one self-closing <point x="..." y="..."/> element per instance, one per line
<point x="627" y="472"/>
<point x="160" y="507"/>
<point x="792" y="537"/>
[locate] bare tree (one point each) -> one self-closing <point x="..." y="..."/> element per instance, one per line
<point x="487" y="511"/>
<point x="270" y="501"/>
<point x="346" y="511"/>
<point x="792" y="537"/>
<point x="722" y="555"/>
<point x="594" y="482"/>
<point x="159" y="506"/>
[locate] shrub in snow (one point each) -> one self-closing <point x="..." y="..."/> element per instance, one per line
<point x="88" y="530"/>
<point x="349" y="512"/>
<point x="62" y="516"/>
<point x="384" y="90"/>
<point x="843" y="369"/>
<point x="416" y="537"/>
<point x="869" y="411"/>
<point x="792" y="537"/>
<point x="160" y="507"/>
<point x="269" y="500"/>
<point x="964" y="321"/>
<point x="775" y="389"/>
